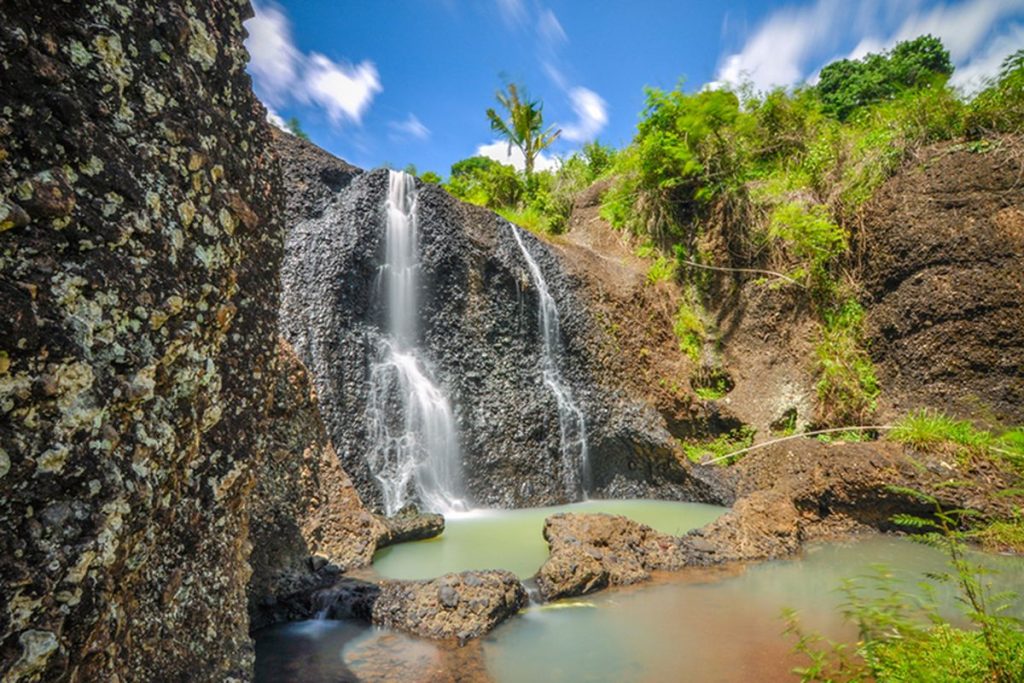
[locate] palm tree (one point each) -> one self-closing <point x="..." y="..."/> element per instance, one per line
<point x="523" y="127"/>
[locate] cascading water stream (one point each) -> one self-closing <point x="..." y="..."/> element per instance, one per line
<point x="572" y="423"/>
<point x="414" y="450"/>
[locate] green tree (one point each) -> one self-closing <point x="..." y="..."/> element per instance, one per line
<point x="522" y="125"/>
<point x="296" y="128"/>
<point x="848" y="84"/>
<point x="430" y="177"/>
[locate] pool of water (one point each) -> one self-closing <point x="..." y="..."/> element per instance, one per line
<point x="513" y="539"/>
<point x="695" y="625"/>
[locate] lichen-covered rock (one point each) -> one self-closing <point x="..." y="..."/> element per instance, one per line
<point x="462" y="606"/>
<point x="410" y="525"/>
<point x="591" y="551"/>
<point x="307" y="521"/>
<point x="140" y="237"/>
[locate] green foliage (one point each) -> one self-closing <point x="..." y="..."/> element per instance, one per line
<point x="686" y="153"/>
<point x="662" y="270"/>
<point x="999" y="107"/>
<point x="527" y="218"/>
<point x="295" y="128"/>
<point x="522" y="124"/>
<point x="724" y="444"/>
<point x="814" y="239"/>
<point x="689" y="329"/>
<point x="711" y="384"/>
<point x="468" y="179"/>
<point x="928" y="429"/>
<point x="430" y="177"/>
<point x="904" y="638"/>
<point x="847" y="386"/>
<point x="847" y="85"/>
<point x="1002" y="535"/>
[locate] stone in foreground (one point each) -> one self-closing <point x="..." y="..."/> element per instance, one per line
<point x="592" y="551"/>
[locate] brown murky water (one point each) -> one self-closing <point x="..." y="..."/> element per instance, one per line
<point x="699" y="625"/>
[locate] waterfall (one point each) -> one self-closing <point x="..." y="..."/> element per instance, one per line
<point x="572" y="424"/>
<point x="414" y="450"/>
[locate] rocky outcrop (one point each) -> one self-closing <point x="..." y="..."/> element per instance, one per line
<point x="462" y="606"/>
<point x="592" y="551"/>
<point x="480" y="333"/>
<point x="307" y="522"/>
<point x="409" y="525"/>
<point x="785" y="495"/>
<point x="140" y="237"/>
<point x="943" y="253"/>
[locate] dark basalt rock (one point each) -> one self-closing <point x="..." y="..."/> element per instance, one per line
<point x="943" y="253"/>
<point x="480" y="333"/>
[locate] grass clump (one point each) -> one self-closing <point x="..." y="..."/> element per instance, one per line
<point x="1002" y="535"/>
<point x="847" y="386"/>
<point x="738" y="439"/>
<point x="689" y="329"/>
<point x="926" y="429"/>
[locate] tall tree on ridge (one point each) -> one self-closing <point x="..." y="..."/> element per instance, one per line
<point x="524" y="125"/>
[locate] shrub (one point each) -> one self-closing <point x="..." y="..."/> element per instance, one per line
<point x="999" y="107"/>
<point x="905" y="638"/>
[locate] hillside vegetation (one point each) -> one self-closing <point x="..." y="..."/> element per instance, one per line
<point x="768" y="182"/>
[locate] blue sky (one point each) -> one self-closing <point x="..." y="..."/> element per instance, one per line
<point x="407" y="81"/>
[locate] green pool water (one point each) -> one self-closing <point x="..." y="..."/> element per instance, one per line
<point x="695" y="625"/>
<point x="513" y="539"/>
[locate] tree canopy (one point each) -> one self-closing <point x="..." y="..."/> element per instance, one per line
<point x="522" y="124"/>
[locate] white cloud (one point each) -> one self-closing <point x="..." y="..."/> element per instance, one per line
<point x="410" y="127"/>
<point x="550" y="29"/>
<point x="282" y="73"/>
<point x="778" y="51"/>
<point x="275" y="119"/>
<point x="499" y="151"/>
<point x="273" y="58"/>
<point x="971" y="76"/>
<point x="793" y="43"/>
<point x="592" y="113"/>
<point x="513" y="12"/>
<point x="345" y="91"/>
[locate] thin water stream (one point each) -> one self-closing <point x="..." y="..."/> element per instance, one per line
<point x="572" y="424"/>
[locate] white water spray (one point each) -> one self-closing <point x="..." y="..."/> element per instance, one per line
<point x="414" y="449"/>
<point x="572" y="424"/>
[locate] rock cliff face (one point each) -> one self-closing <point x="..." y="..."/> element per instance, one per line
<point x="943" y="249"/>
<point x="140" y="238"/>
<point x="307" y="522"/>
<point x="480" y="332"/>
